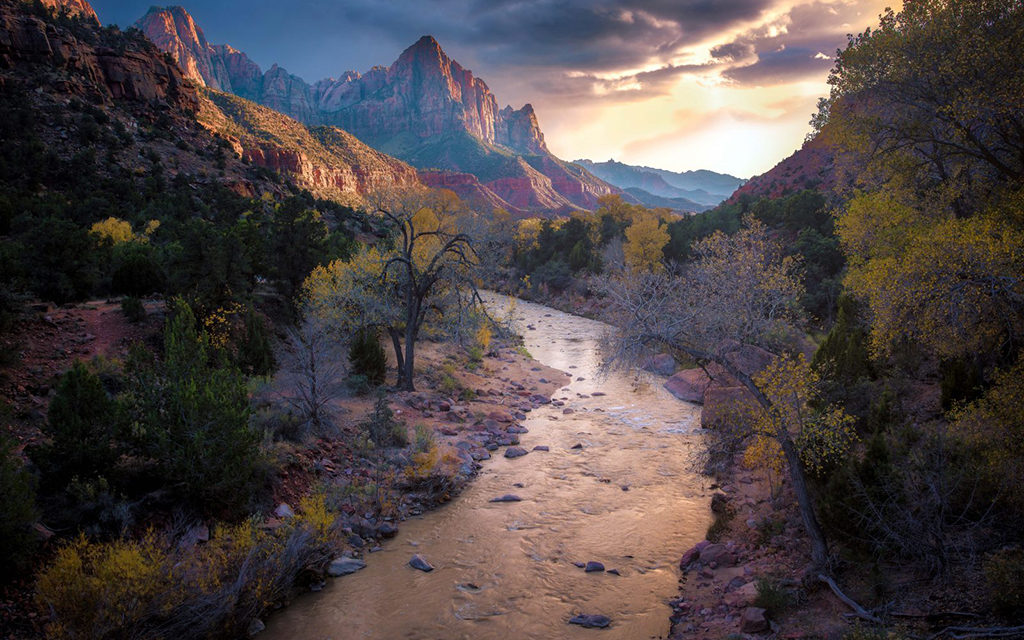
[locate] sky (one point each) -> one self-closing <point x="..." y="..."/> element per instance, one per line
<point x="725" y="85"/>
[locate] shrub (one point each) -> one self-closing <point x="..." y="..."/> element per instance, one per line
<point x="17" y="510"/>
<point x="1004" y="572"/>
<point x="772" y="597"/>
<point x="152" y="588"/>
<point x="367" y="356"/>
<point x="81" y="429"/>
<point x="381" y="426"/>
<point x="133" y="309"/>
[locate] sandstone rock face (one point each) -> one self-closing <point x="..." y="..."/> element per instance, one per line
<point x="331" y="163"/>
<point x="469" y="188"/>
<point x="123" y="76"/>
<point x="73" y="7"/>
<point x="174" y="31"/>
<point x="810" y="167"/>
<point x="425" y="108"/>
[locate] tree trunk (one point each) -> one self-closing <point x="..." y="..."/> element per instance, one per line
<point x="819" y="544"/>
<point x="396" y="342"/>
<point x="409" y="370"/>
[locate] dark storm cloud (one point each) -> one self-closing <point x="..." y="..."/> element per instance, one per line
<point x="576" y="34"/>
<point x="800" y="45"/>
<point x="776" y="67"/>
<point x="733" y="51"/>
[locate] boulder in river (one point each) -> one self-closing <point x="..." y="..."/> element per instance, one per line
<point x="593" y="566"/>
<point x="515" y="452"/>
<point x="344" y="566"/>
<point x="591" y="620"/>
<point x="508" y="497"/>
<point x="419" y="562"/>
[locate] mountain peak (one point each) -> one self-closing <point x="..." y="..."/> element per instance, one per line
<point x="426" y="42"/>
<point x="424" y="49"/>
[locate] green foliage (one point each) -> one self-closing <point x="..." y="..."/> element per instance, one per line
<point x="559" y="251"/>
<point x="190" y="414"/>
<point x="133" y="309"/>
<point x="1004" y="572"/>
<point x="773" y="597"/>
<point x="17" y="511"/>
<point x="82" y="429"/>
<point x="843" y="356"/>
<point x="255" y="352"/>
<point x="367" y="357"/>
<point x="381" y="427"/>
<point x="136" y="272"/>
<point x="424" y="438"/>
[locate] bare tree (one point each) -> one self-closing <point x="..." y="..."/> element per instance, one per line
<point x="314" y="360"/>
<point x="739" y="291"/>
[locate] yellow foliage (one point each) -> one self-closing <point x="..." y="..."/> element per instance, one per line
<point x="220" y="325"/>
<point x="115" y="231"/>
<point x="483" y="337"/>
<point x="951" y="284"/>
<point x="645" y="240"/>
<point x="823" y="437"/>
<point x="92" y="589"/>
<point x="764" y="453"/>
<point x="993" y="426"/>
<point x="126" y="588"/>
<point x="527" y="233"/>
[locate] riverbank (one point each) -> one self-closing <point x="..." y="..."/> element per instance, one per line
<point x="463" y="410"/>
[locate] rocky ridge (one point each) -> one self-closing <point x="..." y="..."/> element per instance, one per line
<point x="425" y="109"/>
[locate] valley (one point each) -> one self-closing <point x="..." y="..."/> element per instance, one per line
<point x="367" y="356"/>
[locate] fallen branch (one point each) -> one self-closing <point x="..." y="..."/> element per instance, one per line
<point x="858" y="610"/>
<point x="980" y="632"/>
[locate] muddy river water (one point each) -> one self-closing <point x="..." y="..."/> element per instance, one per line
<point x="627" y="498"/>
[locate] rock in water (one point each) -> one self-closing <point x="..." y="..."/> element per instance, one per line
<point x="593" y="565"/>
<point x="515" y="452"/>
<point x="418" y="562"/>
<point x="344" y="566"/>
<point x="591" y="620"/>
<point x="508" y="497"/>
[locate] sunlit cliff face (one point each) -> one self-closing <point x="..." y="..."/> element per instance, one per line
<point x="727" y="85"/>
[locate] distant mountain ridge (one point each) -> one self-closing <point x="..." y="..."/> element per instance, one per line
<point x="702" y="187"/>
<point x="813" y="166"/>
<point x="425" y="109"/>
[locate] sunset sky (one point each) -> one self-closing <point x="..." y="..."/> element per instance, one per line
<point x="726" y="85"/>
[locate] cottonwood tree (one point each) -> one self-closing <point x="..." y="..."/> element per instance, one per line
<point x="646" y="238"/>
<point x="427" y="273"/>
<point x="928" y="110"/>
<point x="738" y="292"/>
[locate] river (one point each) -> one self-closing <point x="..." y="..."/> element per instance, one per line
<point x="627" y="498"/>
